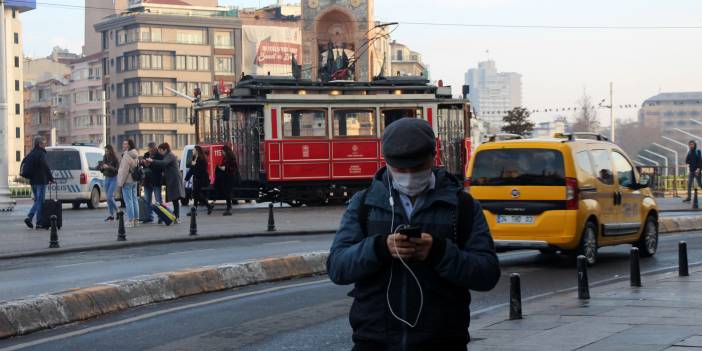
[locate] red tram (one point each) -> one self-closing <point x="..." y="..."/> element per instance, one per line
<point x="305" y="142"/>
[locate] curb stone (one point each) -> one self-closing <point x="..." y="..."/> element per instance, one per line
<point x="23" y="316"/>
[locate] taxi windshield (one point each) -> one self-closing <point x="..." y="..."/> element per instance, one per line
<point x="539" y="167"/>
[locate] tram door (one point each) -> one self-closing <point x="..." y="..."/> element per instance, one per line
<point x="247" y="137"/>
<point x="451" y="132"/>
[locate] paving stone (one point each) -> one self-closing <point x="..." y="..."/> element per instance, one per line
<point x="693" y="341"/>
<point x="665" y="335"/>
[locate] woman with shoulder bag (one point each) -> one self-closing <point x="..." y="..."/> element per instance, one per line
<point x="227" y="176"/>
<point x="109" y="167"/>
<point x="126" y="181"/>
<point x="201" y="178"/>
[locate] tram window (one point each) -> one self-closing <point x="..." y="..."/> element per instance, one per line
<point x="393" y="114"/>
<point x="304" y="123"/>
<point x="354" y="123"/>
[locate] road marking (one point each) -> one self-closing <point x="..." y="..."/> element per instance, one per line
<point x="283" y="242"/>
<point x="77" y="264"/>
<point x="159" y="313"/>
<point x="189" y="251"/>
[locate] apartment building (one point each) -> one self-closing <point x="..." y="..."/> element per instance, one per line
<point x="86" y="115"/>
<point x="11" y="122"/>
<point x="162" y="45"/>
<point x="46" y="107"/>
<point x="406" y="62"/>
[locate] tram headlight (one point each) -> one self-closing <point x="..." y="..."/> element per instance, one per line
<point x="398" y="92"/>
<point x="302" y="92"/>
<point x="335" y="92"/>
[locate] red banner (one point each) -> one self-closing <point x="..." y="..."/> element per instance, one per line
<point x="275" y="53"/>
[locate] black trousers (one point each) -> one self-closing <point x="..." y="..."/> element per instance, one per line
<point x="176" y="208"/>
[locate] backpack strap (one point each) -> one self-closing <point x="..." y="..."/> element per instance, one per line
<point x="464" y="218"/>
<point x="363" y="213"/>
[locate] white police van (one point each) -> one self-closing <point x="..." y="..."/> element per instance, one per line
<point x="187" y="156"/>
<point x="75" y="169"/>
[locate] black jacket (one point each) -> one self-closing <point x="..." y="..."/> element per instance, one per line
<point x="153" y="175"/>
<point x="201" y="178"/>
<point x="694" y="159"/>
<point x="446" y="275"/>
<point x="39" y="172"/>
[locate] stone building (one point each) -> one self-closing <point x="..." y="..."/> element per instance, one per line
<point x="406" y="62"/>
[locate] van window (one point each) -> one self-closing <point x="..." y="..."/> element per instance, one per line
<point x="63" y="160"/>
<point x="582" y="160"/>
<point x="625" y="172"/>
<point x="603" y="166"/>
<point x="94" y="160"/>
<point x="540" y="167"/>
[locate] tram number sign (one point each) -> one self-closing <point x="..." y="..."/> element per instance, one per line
<point x="305" y="151"/>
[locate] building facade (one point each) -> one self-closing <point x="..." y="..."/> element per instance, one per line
<point x="47" y="107"/>
<point x="671" y="111"/>
<point x="406" y="62"/>
<point x="559" y="124"/>
<point x="12" y="70"/>
<point x="155" y="47"/>
<point x="492" y="93"/>
<point x="86" y="116"/>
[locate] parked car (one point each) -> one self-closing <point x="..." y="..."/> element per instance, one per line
<point x="75" y="168"/>
<point x="570" y="194"/>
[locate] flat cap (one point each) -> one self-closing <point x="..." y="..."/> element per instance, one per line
<point x="408" y="142"/>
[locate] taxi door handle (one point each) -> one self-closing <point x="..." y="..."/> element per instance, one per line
<point x="617" y="198"/>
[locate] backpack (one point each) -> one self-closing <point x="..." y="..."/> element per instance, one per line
<point x="462" y="228"/>
<point x="25" y="169"/>
<point x="137" y="174"/>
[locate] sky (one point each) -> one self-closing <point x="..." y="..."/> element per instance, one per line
<point x="557" y="65"/>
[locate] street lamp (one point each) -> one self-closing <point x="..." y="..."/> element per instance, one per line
<point x="649" y="160"/>
<point x="699" y="138"/>
<point x="661" y="156"/>
<point x="674" y="153"/>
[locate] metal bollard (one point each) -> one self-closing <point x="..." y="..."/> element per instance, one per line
<point x="635" y="268"/>
<point x="121" y="233"/>
<point x="515" y="297"/>
<point x="53" y="239"/>
<point x="583" y="285"/>
<point x="695" y="201"/>
<point x="682" y="259"/>
<point x="271" y="220"/>
<point x="193" y="221"/>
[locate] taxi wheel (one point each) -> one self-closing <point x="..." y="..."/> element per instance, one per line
<point x="588" y="243"/>
<point x="648" y="243"/>
<point x="94" y="201"/>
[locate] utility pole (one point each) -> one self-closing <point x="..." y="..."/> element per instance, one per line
<point x="611" y="110"/>
<point x="104" y="120"/>
<point x="6" y="202"/>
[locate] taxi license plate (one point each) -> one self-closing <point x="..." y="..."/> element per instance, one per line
<point x="512" y="219"/>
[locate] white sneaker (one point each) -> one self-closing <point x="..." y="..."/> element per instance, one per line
<point x="129" y="224"/>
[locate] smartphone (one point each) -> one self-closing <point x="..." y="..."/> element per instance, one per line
<point x="411" y="231"/>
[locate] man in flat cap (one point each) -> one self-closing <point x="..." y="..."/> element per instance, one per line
<point x="413" y="244"/>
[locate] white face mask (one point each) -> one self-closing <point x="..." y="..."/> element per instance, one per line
<point x="411" y="184"/>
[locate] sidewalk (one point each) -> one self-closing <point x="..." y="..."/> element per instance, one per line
<point x="85" y="229"/>
<point x="664" y="314"/>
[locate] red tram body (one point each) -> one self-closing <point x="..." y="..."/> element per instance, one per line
<point x="304" y="142"/>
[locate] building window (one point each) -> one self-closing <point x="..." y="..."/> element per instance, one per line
<point x="18" y="132"/>
<point x="180" y="63"/>
<point x="16" y="37"/>
<point x="223" y="64"/>
<point x="16" y="61"/>
<point x="14" y="13"/>
<point x="203" y="63"/>
<point x="17" y="85"/>
<point x="18" y="156"/>
<point x="190" y="37"/>
<point x="17" y="109"/>
<point x="223" y="40"/>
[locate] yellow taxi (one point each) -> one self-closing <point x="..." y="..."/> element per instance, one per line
<point x="571" y="194"/>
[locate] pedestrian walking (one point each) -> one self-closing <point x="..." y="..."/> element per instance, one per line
<point x="36" y="168"/>
<point x="171" y="176"/>
<point x="153" y="181"/>
<point x="127" y="182"/>
<point x="109" y="168"/>
<point x="413" y="244"/>
<point x="226" y="177"/>
<point x="197" y="170"/>
<point x="694" y="164"/>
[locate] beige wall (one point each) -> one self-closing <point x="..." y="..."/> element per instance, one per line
<point x="14" y="120"/>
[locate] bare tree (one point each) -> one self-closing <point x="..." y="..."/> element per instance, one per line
<point x="586" y="116"/>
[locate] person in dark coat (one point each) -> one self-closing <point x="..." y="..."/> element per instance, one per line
<point x="153" y="180"/>
<point x="412" y="293"/>
<point x="109" y="167"/>
<point x="171" y="175"/>
<point x="36" y="169"/>
<point x="226" y="177"/>
<point x="694" y="164"/>
<point x="201" y="178"/>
